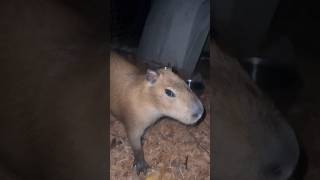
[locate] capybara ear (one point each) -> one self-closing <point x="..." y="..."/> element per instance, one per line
<point x="168" y="68"/>
<point x="152" y="76"/>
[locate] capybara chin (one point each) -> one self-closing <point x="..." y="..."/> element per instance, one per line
<point x="139" y="98"/>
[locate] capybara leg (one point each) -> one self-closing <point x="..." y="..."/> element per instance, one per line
<point x="135" y="140"/>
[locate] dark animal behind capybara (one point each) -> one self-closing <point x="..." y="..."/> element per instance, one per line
<point x="251" y="139"/>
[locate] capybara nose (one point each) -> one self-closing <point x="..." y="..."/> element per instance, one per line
<point x="198" y="111"/>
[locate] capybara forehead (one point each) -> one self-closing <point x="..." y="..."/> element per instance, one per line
<point x="169" y="78"/>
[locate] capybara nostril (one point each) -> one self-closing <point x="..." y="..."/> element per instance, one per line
<point x="196" y="115"/>
<point x="198" y="111"/>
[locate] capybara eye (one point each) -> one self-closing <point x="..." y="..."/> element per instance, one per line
<point x="170" y="93"/>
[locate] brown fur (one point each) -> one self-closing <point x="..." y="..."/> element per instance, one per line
<point x="138" y="103"/>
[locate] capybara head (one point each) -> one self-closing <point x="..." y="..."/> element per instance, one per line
<point x="172" y="96"/>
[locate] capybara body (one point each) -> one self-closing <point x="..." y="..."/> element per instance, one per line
<point x="139" y="98"/>
<point x="251" y="139"/>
